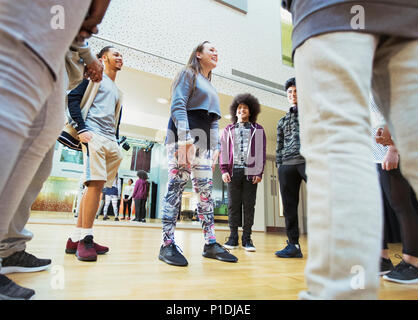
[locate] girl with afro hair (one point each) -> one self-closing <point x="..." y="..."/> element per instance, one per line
<point x="242" y="160"/>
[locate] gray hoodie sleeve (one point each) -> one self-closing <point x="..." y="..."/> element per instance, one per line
<point x="179" y="101"/>
<point x="84" y="51"/>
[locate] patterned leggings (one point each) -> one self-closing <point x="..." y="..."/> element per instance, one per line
<point x="201" y="172"/>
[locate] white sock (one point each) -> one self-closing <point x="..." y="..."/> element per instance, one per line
<point x="75" y="236"/>
<point x="86" y="232"/>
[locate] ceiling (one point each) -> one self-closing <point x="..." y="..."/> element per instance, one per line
<point x="144" y="117"/>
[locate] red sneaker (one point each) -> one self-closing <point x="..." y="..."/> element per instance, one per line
<point x="71" y="247"/>
<point x="128" y="218"/>
<point x="85" y="250"/>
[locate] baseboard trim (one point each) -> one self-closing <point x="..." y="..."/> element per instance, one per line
<point x="275" y="229"/>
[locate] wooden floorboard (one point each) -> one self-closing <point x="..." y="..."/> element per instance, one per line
<point x="131" y="270"/>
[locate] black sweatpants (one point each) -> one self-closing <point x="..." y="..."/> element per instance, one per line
<point x="290" y="178"/>
<point x="402" y="199"/>
<point x="241" y="200"/>
<point x="127" y="206"/>
<point x="140" y="209"/>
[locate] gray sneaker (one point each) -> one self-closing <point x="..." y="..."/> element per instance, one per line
<point x="22" y="261"/>
<point x="404" y="273"/>
<point x="171" y="255"/>
<point x="386" y="266"/>
<point x="231" y="243"/>
<point x="248" y="245"/>
<point x="216" y="251"/>
<point x="12" y="291"/>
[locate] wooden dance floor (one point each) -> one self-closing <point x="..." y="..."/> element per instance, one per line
<point x="131" y="269"/>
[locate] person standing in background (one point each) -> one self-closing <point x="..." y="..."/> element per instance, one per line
<point x="112" y="195"/>
<point x="140" y="195"/>
<point x="128" y="191"/>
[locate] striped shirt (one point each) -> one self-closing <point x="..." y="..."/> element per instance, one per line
<point x="242" y="140"/>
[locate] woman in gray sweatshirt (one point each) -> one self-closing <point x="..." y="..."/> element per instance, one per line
<point x="193" y="148"/>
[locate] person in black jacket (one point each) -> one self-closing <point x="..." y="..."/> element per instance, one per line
<point x="291" y="170"/>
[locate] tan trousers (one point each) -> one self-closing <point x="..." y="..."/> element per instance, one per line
<point x="334" y="74"/>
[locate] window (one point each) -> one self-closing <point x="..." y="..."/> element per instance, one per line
<point x="286" y="24"/>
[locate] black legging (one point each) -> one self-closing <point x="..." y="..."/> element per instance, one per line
<point x="127" y="206"/>
<point x="140" y="209"/>
<point x="403" y="201"/>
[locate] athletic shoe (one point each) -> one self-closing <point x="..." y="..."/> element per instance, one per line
<point x="170" y="254"/>
<point x="122" y="218"/>
<point x="216" y="251"/>
<point x="12" y="291"/>
<point x="22" y="261"/>
<point x="105" y="218"/>
<point x="404" y="273"/>
<point x="232" y="243"/>
<point x="291" y="251"/>
<point x="128" y="218"/>
<point x="386" y="266"/>
<point x="248" y="245"/>
<point x="143" y="220"/>
<point x="116" y="219"/>
<point x="71" y="247"/>
<point x="85" y="249"/>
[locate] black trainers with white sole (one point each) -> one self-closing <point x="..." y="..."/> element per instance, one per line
<point x="22" y="261"/>
<point x="216" y="251"/>
<point x="231" y="243"/>
<point x="404" y="273"/>
<point x="12" y="291"/>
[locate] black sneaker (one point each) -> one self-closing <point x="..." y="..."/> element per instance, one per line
<point x="248" y="245"/>
<point x="12" y="291"/>
<point x="216" y="251"/>
<point x="22" y="261"/>
<point x="386" y="266"/>
<point x="170" y="254"/>
<point x="231" y="243"/>
<point x="403" y="273"/>
<point x="105" y="218"/>
<point x="291" y="251"/>
<point x="116" y="219"/>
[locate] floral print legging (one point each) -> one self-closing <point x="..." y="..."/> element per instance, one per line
<point x="201" y="173"/>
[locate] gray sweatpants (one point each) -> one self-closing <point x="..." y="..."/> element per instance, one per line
<point x="335" y="74"/>
<point x="31" y="117"/>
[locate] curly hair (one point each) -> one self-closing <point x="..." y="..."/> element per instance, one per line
<point x="290" y="83"/>
<point x="250" y="101"/>
<point x="142" y="175"/>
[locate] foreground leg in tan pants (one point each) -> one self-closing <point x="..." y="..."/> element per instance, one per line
<point x="334" y="73"/>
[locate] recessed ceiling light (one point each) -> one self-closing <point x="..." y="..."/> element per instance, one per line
<point x="162" y="100"/>
<point x="228" y="116"/>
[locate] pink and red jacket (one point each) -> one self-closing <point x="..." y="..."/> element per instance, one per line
<point x="256" y="156"/>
